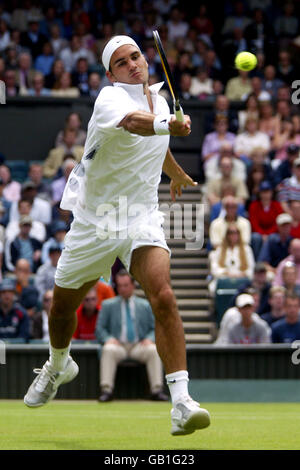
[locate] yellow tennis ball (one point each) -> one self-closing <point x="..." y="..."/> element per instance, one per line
<point x="245" y="61"/>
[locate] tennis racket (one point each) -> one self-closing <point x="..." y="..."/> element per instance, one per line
<point x="176" y="105"/>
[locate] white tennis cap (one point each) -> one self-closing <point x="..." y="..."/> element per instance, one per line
<point x="243" y="300"/>
<point x="114" y="44"/>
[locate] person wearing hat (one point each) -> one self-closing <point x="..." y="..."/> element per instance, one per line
<point x="38" y="229"/>
<point x="23" y="246"/>
<point x="289" y="189"/>
<point x="59" y="230"/>
<point x="14" y="321"/>
<point x="247" y="329"/>
<point x="285" y="168"/>
<point x="263" y="211"/>
<point x="276" y="247"/>
<point x="126" y="149"/>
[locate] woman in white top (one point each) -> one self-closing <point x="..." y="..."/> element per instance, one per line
<point x="250" y="139"/>
<point x="232" y="259"/>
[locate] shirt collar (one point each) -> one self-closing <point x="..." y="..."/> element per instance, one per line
<point x="139" y="89"/>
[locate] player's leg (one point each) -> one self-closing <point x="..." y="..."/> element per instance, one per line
<point x="150" y="266"/>
<point x="60" y="368"/>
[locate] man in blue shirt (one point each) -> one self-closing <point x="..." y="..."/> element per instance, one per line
<point x="14" y="321"/>
<point x="287" y="329"/>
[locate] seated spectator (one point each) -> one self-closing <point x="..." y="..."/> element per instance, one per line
<point x="44" y="61"/>
<point x="69" y="55"/>
<point x="35" y="175"/>
<point x="215" y="140"/>
<point x="289" y="278"/>
<point x="217" y="209"/>
<point x="251" y="139"/>
<point x="58" y="185"/>
<point x="80" y="76"/>
<point x="87" y="315"/>
<point x="264" y="211"/>
<point x="58" y="233"/>
<point x="221" y="108"/>
<point x="64" y="87"/>
<point x="233" y="259"/>
<point x="73" y="122"/>
<point x="276" y="302"/>
<point x="270" y="82"/>
<point x="287" y="329"/>
<point x="38" y="229"/>
<point x="212" y="169"/>
<point x="261" y="95"/>
<point x="12" y="189"/>
<point x="24" y="72"/>
<point x="295" y="213"/>
<point x="26" y="293"/>
<point x="294" y="257"/>
<point x="23" y="246"/>
<point x="40" y="209"/>
<point x="32" y="39"/>
<point x="287" y="134"/>
<point x="39" y="327"/>
<point x="185" y="87"/>
<point x="238" y="86"/>
<point x="14" y="321"/>
<point x="276" y="247"/>
<point x="201" y="86"/>
<point x="94" y="85"/>
<point x="285" y="69"/>
<point x="6" y="205"/>
<point x="251" y="111"/>
<point x="57" y="42"/>
<point x="57" y="155"/>
<point x="44" y="279"/>
<point x="104" y="291"/>
<point x="257" y="173"/>
<point x="268" y="122"/>
<point x="214" y="186"/>
<point x="125" y="335"/>
<point x="287" y="24"/>
<point x="38" y="88"/>
<point x="261" y="286"/>
<point x="177" y="26"/>
<point x="4" y="35"/>
<point x="289" y="188"/>
<point x="285" y="168"/>
<point x="11" y="86"/>
<point x="218" y="227"/>
<point x="53" y="78"/>
<point x="248" y="329"/>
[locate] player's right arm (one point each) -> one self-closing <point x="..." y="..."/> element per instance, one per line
<point x="142" y="123"/>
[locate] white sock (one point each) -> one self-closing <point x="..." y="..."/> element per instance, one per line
<point x="178" y="384"/>
<point x="59" y="358"/>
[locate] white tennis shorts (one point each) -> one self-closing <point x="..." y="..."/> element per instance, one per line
<point x="87" y="256"/>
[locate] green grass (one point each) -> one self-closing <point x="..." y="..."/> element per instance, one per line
<point x="132" y="425"/>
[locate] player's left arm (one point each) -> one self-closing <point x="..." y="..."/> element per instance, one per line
<point x="177" y="175"/>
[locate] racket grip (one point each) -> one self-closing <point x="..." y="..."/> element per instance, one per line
<point x="178" y="111"/>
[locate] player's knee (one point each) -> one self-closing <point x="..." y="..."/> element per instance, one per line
<point x="163" y="302"/>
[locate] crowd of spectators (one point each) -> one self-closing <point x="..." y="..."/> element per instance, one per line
<point x="250" y="153"/>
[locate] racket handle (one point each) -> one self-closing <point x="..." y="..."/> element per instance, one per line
<point x="178" y="111"/>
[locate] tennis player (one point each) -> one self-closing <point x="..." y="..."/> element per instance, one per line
<point x="113" y="193"/>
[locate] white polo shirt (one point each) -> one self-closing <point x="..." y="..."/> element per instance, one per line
<point x="115" y="162"/>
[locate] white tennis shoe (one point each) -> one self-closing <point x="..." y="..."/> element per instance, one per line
<point x="45" y="385"/>
<point x="187" y="416"/>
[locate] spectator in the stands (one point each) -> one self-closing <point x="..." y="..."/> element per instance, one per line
<point x="32" y="39"/>
<point x="44" y="62"/>
<point x="58" y="185"/>
<point x="57" y="155"/>
<point x="214" y="186"/>
<point x="289" y="278"/>
<point x="232" y="259"/>
<point x="35" y="174"/>
<point x="44" y="278"/>
<point x="237" y="19"/>
<point x="259" y="34"/>
<point x="94" y="85"/>
<point x="14" y="321"/>
<point x="39" y="327"/>
<point x="213" y="141"/>
<point x="58" y="232"/>
<point x="276" y="301"/>
<point x="217" y="209"/>
<point x="289" y="188"/>
<point x="64" y="87"/>
<point x="248" y="329"/>
<point x="212" y="170"/>
<point x="41" y="209"/>
<point x="12" y="189"/>
<point x="270" y="82"/>
<point x="285" y="68"/>
<point x="287" y="24"/>
<point x="23" y="246"/>
<point x="221" y="108"/>
<point x="201" y="86"/>
<point x="285" y="168"/>
<point x="268" y="122"/>
<point x="251" y="139"/>
<point x="251" y="110"/>
<point x="264" y="211"/>
<point x="11" y="86"/>
<point x="26" y="292"/>
<point x="6" y="205"/>
<point x="87" y="314"/>
<point x="257" y="90"/>
<point x="276" y="247"/>
<point x="38" y="229"/>
<point x="287" y="329"/>
<point x="4" y="35"/>
<point x="57" y="41"/>
<point x="104" y="291"/>
<point x="74" y="122"/>
<point x="80" y="76"/>
<point x="219" y="226"/>
<point x="287" y="134"/>
<point x="295" y="213"/>
<point x="177" y="26"/>
<point x="53" y="78"/>
<point x="69" y="55"/>
<point x="238" y="86"/>
<point x="294" y="257"/>
<point x="38" y="88"/>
